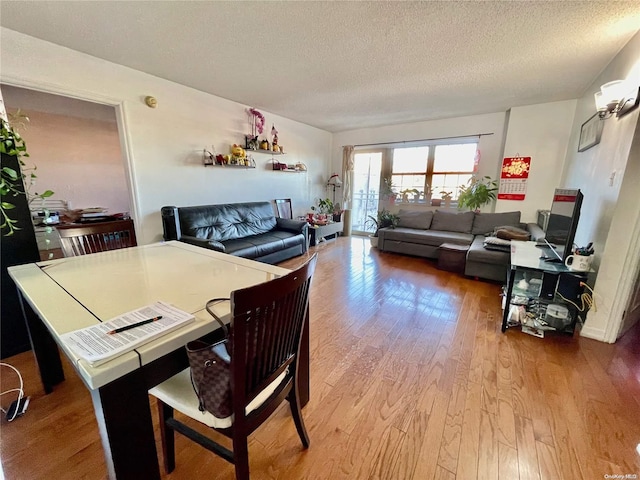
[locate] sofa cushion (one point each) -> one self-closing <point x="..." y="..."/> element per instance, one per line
<point x="479" y="254"/>
<point x="425" y="237"/>
<point x="415" y="219"/>
<point x="227" y="221"/>
<point x="260" y="245"/>
<point x="452" y="222"/>
<point x="484" y="223"/>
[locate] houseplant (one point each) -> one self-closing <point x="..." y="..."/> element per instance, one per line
<point x="383" y="219"/>
<point x="14" y="182"/>
<point x="477" y="193"/>
<point x="387" y="191"/>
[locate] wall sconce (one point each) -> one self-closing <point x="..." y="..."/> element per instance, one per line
<point x="616" y="97"/>
<point x="335" y="182"/>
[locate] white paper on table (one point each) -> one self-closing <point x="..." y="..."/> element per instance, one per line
<point x="95" y="345"/>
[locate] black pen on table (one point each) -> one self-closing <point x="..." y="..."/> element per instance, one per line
<point x="134" y="325"/>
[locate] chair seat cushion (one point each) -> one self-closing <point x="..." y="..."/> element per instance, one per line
<point x="178" y="393"/>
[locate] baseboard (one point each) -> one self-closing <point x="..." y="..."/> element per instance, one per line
<point x="593" y="333"/>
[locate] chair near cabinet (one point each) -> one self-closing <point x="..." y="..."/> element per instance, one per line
<point x="283" y="206"/>
<point x="96" y="237"/>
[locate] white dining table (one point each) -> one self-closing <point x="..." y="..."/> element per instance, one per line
<point x="60" y="296"/>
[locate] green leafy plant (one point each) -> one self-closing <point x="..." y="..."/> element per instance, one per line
<point x="477" y="193"/>
<point x="384" y="219"/>
<point x="13" y="182"/>
<point x="387" y="189"/>
<point x="325" y="206"/>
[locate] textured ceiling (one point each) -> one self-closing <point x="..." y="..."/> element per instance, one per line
<point x="343" y="65"/>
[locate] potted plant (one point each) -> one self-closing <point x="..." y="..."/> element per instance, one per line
<point x="446" y="198"/>
<point x="14" y="182"/>
<point x="337" y="212"/>
<point x="324" y="209"/>
<point x="477" y="193"/>
<point x="384" y="219"/>
<point x="387" y="191"/>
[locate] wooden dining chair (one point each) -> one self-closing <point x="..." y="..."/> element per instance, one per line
<point x="96" y="237"/>
<point x="264" y="343"/>
<point x="283" y="207"/>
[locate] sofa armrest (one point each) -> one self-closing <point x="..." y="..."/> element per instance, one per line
<point x="295" y="226"/>
<point x="536" y="232"/>
<point x="203" y="242"/>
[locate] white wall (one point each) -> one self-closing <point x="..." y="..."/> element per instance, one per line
<point x="164" y="145"/>
<point x="541" y="132"/>
<point x="611" y="207"/>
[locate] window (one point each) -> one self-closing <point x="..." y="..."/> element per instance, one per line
<point x="435" y="168"/>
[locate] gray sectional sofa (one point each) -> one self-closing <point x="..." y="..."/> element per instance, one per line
<point x="421" y="233"/>
<point x="249" y="230"/>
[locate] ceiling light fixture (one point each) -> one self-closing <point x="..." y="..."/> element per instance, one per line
<point x="616" y="97"/>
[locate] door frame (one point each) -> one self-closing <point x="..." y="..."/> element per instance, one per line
<point x="124" y="134"/>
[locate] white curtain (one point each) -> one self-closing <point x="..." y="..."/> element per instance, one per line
<point x="347" y="175"/>
<point x="347" y="184"/>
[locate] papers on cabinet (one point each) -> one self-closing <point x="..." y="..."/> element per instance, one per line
<point x="95" y="345"/>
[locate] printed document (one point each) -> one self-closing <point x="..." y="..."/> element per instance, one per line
<point x="95" y="345"/>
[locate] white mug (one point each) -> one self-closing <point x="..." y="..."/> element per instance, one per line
<point x="579" y="263"/>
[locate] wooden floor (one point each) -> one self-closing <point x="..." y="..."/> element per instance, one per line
<point x="411" y="379"/>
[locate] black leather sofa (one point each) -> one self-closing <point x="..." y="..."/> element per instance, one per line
<point x="249" y="230"/>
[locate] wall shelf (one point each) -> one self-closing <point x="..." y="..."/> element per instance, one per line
<point x="298" y="167"/>
<point x="228" y="165"/>
<point x="266" y="152"/>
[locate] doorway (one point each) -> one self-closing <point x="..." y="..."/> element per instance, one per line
<point x="366" y="189"/>
<point x="632" y="315"/>
<point x="75" y="145"/>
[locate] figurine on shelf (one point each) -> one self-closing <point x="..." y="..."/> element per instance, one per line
<point x="237" y="155"/>
<point x="274" y="142"/>
<point x="208" y="157"/>
<point x="251" y="143"/>
<point x="264" y="145"/>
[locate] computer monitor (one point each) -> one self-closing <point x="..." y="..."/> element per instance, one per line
<point x="563" y="220"/>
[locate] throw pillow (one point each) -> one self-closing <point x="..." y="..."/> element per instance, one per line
<point x="452" y="222"/>
<point x="484" y="223"/>
<point x="415" y="219"/>
<point x="511" y="235"/>
<point x="508" y="228"/>
<point x="495" y="243"/>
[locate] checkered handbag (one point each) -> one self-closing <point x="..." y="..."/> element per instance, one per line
<point x="211" y="371"/>
<point x="211" y="376"/>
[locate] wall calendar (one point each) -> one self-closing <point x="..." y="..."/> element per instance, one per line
<point x="513" y="178"/>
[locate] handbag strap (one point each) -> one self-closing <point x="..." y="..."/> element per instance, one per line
<point x="215" y="301"/>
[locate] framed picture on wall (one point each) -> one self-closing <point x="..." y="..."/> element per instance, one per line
<point x="590" y="133"/>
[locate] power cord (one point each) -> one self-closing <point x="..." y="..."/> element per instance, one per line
<point x="587" y="300"/>
<point x="18" y="406"/>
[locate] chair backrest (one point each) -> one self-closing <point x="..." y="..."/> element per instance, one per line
<point x="283" y="207"/>
<point x="96" y="237"/>
<point x="265" y="331"/>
